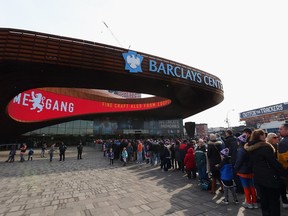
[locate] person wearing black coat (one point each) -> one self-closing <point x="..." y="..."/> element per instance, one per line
<point x="232" y="144"/>
<point x="62" y="150"/>
<point x="79" y="151"/>
<point x="213" y="154"/>
<point x="267" y="172"/>
<point x="164" y="157"/>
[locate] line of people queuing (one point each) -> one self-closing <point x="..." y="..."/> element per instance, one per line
<point x="258" y="168"/>
<point x="254" y="163"/>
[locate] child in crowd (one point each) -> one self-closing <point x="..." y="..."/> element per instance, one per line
<point x="22" y="152"/>
<point x="190" y="163"/>
<point x="111" y="156"/>
<point x="30" y="154"/>
<point x="124" y="156"/>
<point x="226" y="175"/>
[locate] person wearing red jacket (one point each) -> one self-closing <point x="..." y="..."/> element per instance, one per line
<point x="22" y="152"/>
<point x="189" y="162"/>
<point x="182" y="153"/>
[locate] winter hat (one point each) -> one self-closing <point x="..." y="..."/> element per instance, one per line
<point x="242" y="138"/>
<point x="225" y="152"/>
<point x="247" y="130"/>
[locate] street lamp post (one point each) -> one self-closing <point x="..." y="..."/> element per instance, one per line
<point x="227" y="120"/>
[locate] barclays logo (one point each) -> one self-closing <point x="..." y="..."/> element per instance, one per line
<point x="133" y="61"/>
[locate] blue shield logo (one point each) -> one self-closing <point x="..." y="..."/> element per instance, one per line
<point x="133" y="61"/>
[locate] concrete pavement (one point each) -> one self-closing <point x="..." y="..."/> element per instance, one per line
<point x="93" y="187"/>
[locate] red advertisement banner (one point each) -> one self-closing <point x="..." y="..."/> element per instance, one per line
<point x="37" y="105"/>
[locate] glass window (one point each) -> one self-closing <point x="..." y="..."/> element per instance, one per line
<point x="82" y="131"/>
<point x="89" y="131"/>
<point x="37" y="131"/>
<point x="53" y="130"/>
<point x="61" y="130"/>
<point x="83" y="124"/>
<point x="69" y="124"/>
<point x="75" y="131"/>
<point x="69" y="131"/>
<point x="63" y="125"/>
<point x="76" y="124"/>
<point x="90" y="125"/>
<point x="44" y="130"/>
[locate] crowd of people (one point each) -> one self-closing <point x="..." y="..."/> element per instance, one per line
<point x="253" y="163"/>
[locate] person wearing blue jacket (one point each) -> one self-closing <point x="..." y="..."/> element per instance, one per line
<point x="226" y="175"/>
<point x="124" y="156"/>
<point x="30" y="154"/>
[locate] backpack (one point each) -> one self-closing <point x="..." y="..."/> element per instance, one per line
<point x="226" y="172"/>
<point x="205" y="184"/>
<point x="283" y="159"/>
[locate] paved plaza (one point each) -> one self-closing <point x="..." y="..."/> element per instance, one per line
<point x="93" y="187"/>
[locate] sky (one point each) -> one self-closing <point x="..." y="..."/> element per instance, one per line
<point x="244" y="43"/>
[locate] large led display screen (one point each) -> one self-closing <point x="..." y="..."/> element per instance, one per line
<point x="37" y="105"/>
<point x="119" y="125"/>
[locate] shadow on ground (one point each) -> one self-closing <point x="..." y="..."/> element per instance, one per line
<point x="186" y="197"/>
<point x="179" y="196"/>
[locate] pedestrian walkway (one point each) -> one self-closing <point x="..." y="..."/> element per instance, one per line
<point x="93" y="187"/>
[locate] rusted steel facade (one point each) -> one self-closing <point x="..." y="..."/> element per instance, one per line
<point x="31" y="60"/>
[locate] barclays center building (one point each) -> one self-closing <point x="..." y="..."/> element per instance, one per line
<point x="55" y="85"/>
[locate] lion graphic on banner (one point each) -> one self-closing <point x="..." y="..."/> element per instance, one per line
<point x="38" y="101"/>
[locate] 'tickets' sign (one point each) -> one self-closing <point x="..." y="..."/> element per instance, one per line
<point x="37" y="105"/>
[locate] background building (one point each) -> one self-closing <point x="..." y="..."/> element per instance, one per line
<point x="201" y="130"/>
<point x="268" y="118"/>
<point x="48" y="86"/>
<point x="126" y="94"/>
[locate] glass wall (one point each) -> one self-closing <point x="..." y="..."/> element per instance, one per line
<point x="78" y="127"/>
<point x="119" y="125"/>
<point x="114" y="126"/>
